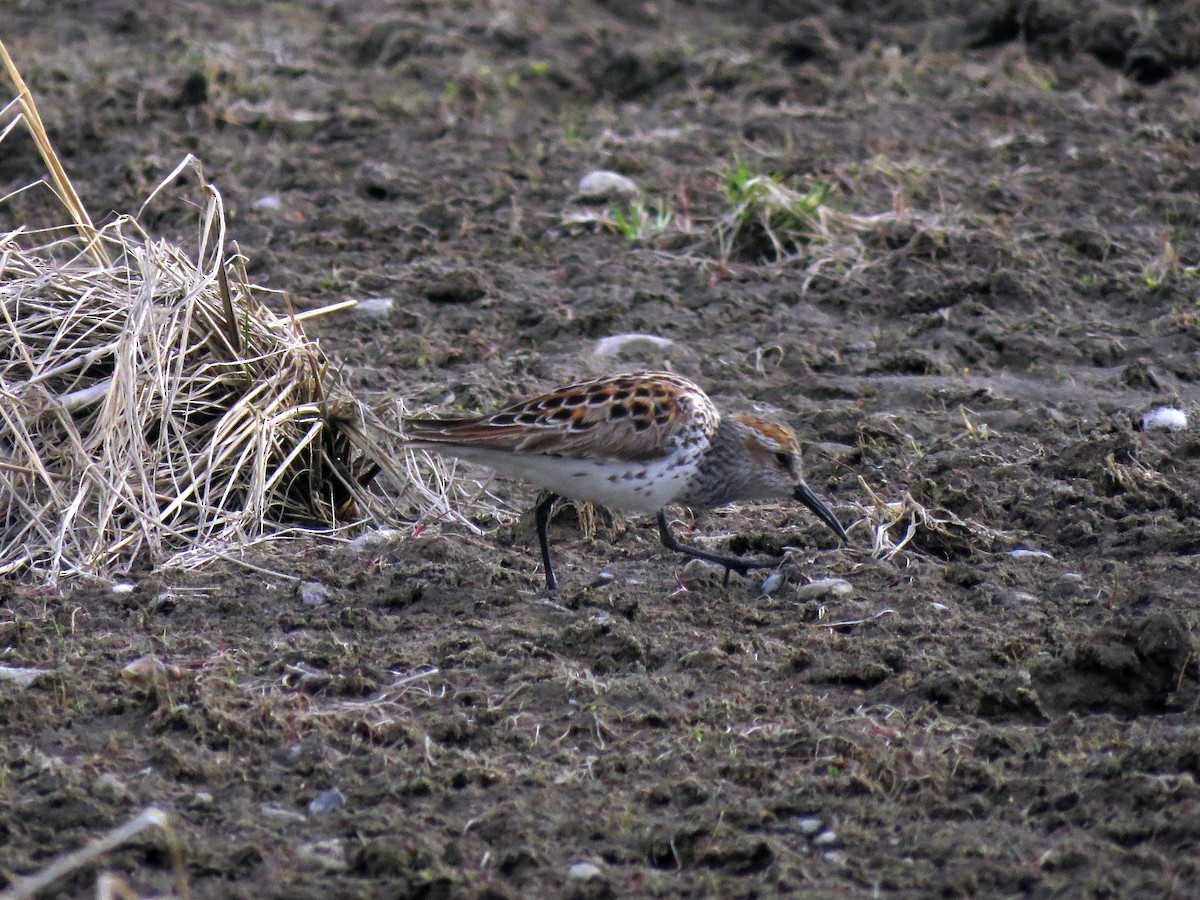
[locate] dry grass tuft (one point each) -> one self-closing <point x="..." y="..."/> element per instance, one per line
<point x="896" y="524"/>
<point x="771" y="219"/>
<point x="152" y="404"/>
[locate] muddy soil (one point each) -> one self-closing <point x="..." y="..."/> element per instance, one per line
<point x="950" y="719"/>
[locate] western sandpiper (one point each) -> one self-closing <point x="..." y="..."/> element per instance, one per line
<point x="639" y="443"/>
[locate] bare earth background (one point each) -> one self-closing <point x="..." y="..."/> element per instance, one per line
<point x="992" y="725"/>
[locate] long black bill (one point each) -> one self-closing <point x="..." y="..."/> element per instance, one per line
<point x="805" y="495"/>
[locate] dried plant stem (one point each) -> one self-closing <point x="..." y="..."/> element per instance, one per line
<point x="61" y="183"/>
<point x="27" y="888"/>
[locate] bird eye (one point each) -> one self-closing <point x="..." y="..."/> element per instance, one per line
<point x="784" y="460"/>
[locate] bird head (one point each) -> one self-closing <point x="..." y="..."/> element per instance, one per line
<point x="774" y="469"/>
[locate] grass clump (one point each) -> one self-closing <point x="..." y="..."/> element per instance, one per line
<point x="641" y="222"/>
<point x="152" y="404"/>
<point x="769" y="218"/>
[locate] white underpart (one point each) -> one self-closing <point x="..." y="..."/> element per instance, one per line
<point x="634" y="487"/>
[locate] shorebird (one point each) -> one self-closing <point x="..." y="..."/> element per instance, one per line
<point x="637" y="442"/>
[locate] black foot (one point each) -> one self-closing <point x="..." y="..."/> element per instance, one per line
<point x="732" y="563"/>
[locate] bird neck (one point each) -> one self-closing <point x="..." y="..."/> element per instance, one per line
<point x="721" y="476"/>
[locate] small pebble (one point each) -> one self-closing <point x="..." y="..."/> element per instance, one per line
<point x="605" y="185"/>
<point x="810" y="825"/>
<point x="630" y="343"/>
<point x="122" y="587"/>
<point x="603" y="578"/>
<point x="369" y="540"/>
<point x="940" y="607"/>
<point x="1069" y="585"/>
<point x="584" y="871"/>
<point x="299" y="122"/>
<point x="21" y="676"/>
<point x="1014" y="598"/>
<point x="313" y="593"/>
<point x="269" y="202"/>
<point x="1037" y="554"/>
<point x="328" y="855"/>
<point x="771" y="584"/>
<point x="826" y="839"/>
<point x="326" y="802"/>
<point x="271" y="811"/>
<point x="824" y="588"/>
<point x="201" y="800"/>
<point x="375" y="307"/>
<point x="1165" y="418"/>
<point x="110" y="788"/>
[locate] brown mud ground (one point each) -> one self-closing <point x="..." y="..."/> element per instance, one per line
<point x="962" y="721"/>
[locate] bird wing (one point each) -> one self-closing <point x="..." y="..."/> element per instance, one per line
<point x="631" y="418"/>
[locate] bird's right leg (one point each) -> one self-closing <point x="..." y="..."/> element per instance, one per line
<point x="541" y="514"/>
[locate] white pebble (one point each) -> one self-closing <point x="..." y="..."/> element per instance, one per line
<point x="583" y="871"/>
<point x="1036" y="554"/>
<point x="313" y="593"/>
<point x="369" y="540"/>
<point x="271" y="811"/>
<point x="771" y="584"/>
<point x="1015" y="598"/>
<point x="122" y="587"/>
<point x="270" y="201"/>
<point x="375" y="307"/>
<point x="328" y="855"/>
<point x="810" y="825"/>
<point x="630" y="343"/>
<point x="605" y="185"/>
<point x="329" y="800"/>
<point x="1166" y="418"/>
<point x="940" y="607"/>
<point x="825" y="587"/>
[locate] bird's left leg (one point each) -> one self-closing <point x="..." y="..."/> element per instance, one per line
<point x="731" y="562"/>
